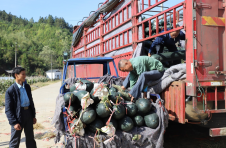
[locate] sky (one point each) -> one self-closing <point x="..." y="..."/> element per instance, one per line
<point x="71" y="10"/>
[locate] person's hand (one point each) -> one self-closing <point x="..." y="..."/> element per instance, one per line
<point x="123" y="88"/>
<point x="131" y="97"/>
<point x="17" y="127"/>
<point x="34" y="120"/>
<point x="145" y="95"/>
<point x="149" y="54"/>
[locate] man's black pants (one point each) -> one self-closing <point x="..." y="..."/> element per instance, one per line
<point x="27" y="125"/>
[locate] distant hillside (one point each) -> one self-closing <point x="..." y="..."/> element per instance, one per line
<point x="35" y="42"/>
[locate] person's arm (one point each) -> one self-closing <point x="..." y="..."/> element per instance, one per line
<point x="157" y="41"/>
<point x="182" y="35"/>
<point x="9" y="107"/>
<point x="126" y="82"/>
<point x="133" y="79"/>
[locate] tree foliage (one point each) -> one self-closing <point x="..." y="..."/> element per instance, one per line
<point x="31" y="39"/>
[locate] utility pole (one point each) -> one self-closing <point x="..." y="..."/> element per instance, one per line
<point x="51" y="68"/>
<point x="15" y="54"/>
<point x="161" y="7"/>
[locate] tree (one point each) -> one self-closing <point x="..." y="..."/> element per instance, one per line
<point x="41" y="20"/>
<point x="46" y="56"/>
<point x="33" y="40"/>
<point x="50" y="20"/>
<point x="31" y="20"/>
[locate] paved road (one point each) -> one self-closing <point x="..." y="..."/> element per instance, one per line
<point x="44" y="100"/>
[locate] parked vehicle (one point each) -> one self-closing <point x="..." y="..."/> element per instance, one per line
<point x="200" y="99"/>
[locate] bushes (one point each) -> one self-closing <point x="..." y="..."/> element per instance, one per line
<point x="5" y="84"/>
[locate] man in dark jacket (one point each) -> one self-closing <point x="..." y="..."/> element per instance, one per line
<point x="20" y="110"/>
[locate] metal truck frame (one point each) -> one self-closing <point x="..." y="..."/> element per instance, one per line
<point x="204" y="24"/>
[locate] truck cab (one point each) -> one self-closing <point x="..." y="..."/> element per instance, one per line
<point x="101" y="66"/>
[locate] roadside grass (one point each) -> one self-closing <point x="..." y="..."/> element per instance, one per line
<point x="42" y="84"/>
<point x="33" y="87"/>
<point x="2" y="100"/>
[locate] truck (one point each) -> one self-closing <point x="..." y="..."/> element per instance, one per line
<point x="122" y="28"/>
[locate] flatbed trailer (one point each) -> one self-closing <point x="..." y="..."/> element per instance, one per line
<point x="200" y="99"/>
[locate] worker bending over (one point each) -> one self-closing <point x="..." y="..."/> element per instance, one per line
<point x="170" y="40"/>
<point x="143" y="69"/>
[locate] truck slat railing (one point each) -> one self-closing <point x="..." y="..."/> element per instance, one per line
<point x="156" y="18"/>
<point x="126" y="37"/>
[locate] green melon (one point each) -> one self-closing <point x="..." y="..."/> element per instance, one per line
<point x="89" y="85"/>
<point x="72" y="108"/>
<point x="67" y="97"/>
<point x="102" y="110"/>
<point x="126" y="124"/>
<point x="143" y="106"/>
<point x="138" y="120"/>
<point x="112" y="89"/>
<point x="72" y="88"/>
<point x="96" y="124"/>
<point x="80" y="94"/>
<point x="124" y="95"/>
<point x="112" y="122"/>
<point x="131" y="108"/>
<point x="95" y="99"/>
<point x="113" y="96"/>
<point x="88" y="116"/>
<point x="120" y="111"/>
<point x="152" y="120"/>
<point x="119" y="88"/>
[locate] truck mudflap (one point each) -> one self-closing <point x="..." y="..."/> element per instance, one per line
<point x="216" y="132"/>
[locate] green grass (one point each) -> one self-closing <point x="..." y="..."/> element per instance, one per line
<point x="42" y="84"/>
<point x="2" y="99"/>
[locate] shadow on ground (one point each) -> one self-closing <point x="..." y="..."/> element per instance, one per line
<point x="191" y="136"/>
<point x="6" y="143"/>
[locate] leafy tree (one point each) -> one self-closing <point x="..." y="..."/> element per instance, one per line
<point x="48" y="35"/>
<point x="31" y="20"/>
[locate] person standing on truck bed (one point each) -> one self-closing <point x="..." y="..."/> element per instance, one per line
<point x="170" y="40"/>
<point x="20" y="110"/>
<point x="142" y="70"/>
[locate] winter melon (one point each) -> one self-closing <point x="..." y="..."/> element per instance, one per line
<point x="67" y="97"/>
<point x="102" y="110"/>
<point x="131" y="109"/>
<point x="152" y="120"/>
<point x="96" y="124"/>
<point x="143" y="106"/>
<point x="126" y="124"/>
<point x="88" y="116"/>
<point x="89" y="85"/>
<point x="113" y="96"/>
<point x="80" y="94"/>
<point x="138" y="120"/>
<point x="120" y="111"/>
<point x="72" y="88"/>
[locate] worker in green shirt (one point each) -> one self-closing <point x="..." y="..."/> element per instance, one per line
<point x="143" y="69"/>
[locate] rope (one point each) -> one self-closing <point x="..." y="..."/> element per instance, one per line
<point x="101" y="86"/>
